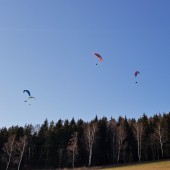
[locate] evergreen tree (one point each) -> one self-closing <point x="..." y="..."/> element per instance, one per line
<point x="102" y="146"/>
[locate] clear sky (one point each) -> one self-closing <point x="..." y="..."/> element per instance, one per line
<point x="48" y="48"/>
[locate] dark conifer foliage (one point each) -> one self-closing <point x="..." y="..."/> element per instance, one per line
<point x="115" y="141"/>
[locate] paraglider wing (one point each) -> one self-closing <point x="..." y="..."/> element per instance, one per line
<point x="29" y="99"/>
<point x="28" y="92"/>
<point x="98" y="56"/>
<point x="136" y="73"/>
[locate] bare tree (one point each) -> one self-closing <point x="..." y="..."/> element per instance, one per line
<point x="8" y="149"/>
<point x="160" y="135"/>
<point x="19" y="150"/>
<point x="120" y="138"/>
<point x="138" y="133"/>
<point x="73" y="147"/>
<point x="90" y="130"/>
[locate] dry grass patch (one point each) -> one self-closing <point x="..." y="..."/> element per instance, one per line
<point x="164" y="165"/>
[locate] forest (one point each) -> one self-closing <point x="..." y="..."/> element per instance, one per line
<point x="78" y="143"/>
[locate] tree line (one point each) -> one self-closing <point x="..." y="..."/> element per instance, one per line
<point x="79" y="143"/>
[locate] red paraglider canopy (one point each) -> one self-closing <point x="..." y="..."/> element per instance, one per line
<point x="98" y="56"/>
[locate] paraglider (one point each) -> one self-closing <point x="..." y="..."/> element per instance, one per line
<point x="27" y="91"/>
<point x="99" y="57"/>
<point x="136" y="74"/>
<point x="29" y="96"/>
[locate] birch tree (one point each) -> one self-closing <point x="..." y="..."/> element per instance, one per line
<point x="138" y="132"/>
<point x="90" y="130"/>
<point x="19" y="150"/>
<point x="120" y="138"/>
<point x="8" y="149"/>
<point x="73" y="147"/>
<point x="160" y="135"/>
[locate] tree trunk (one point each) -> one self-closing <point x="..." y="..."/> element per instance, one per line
<point x="161" y="147"/>
<point x="90" y="156"/>
<point x="13" y="139"/>
<point x="22" y="152"/>
<point x="73" y="159"/>
<point x="118" y="155"/>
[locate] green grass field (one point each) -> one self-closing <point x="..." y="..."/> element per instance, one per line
<point x="163" y="165"/>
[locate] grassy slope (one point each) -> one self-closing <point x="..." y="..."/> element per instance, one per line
<point x="164" y="165"/>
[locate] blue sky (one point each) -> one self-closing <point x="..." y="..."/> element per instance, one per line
<point x="48" y="48"/>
